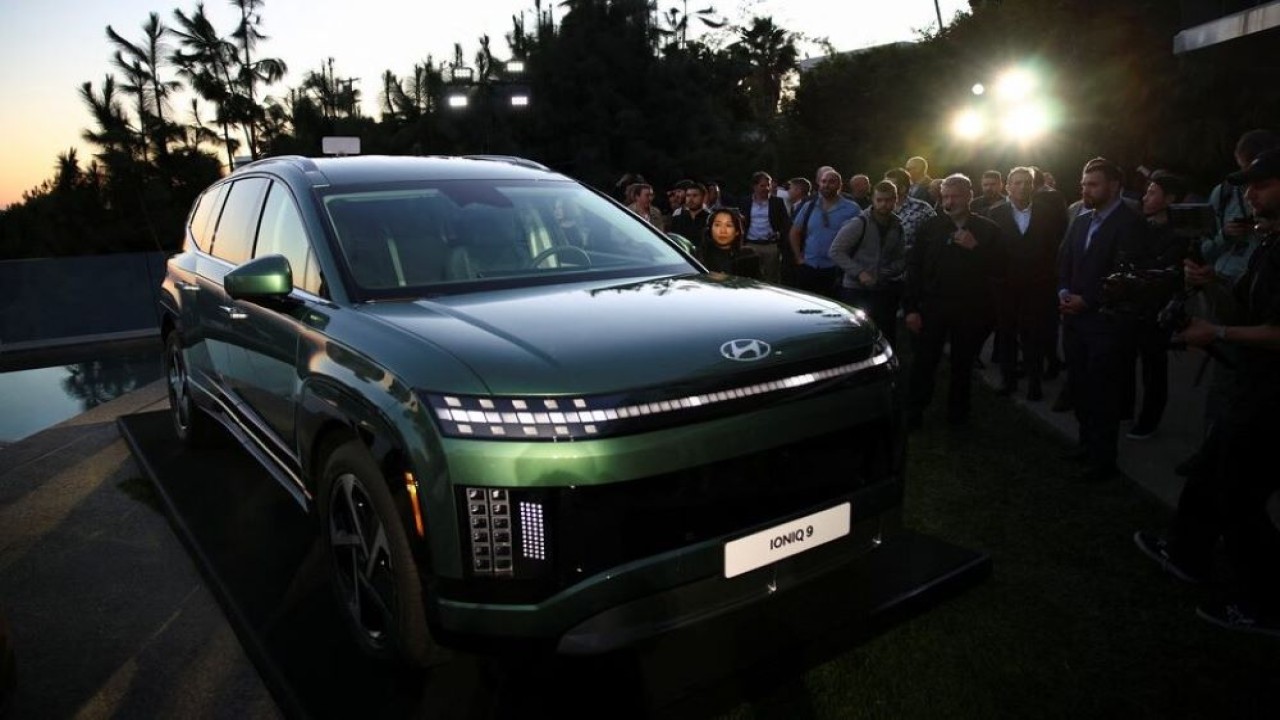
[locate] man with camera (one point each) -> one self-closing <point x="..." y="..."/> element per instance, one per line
<point x="1105" y="238"/>
<point x="1229" y="497"/>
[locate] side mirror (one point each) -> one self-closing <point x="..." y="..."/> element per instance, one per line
<point x="267" y="277"/>
<point x="685" y="243"/>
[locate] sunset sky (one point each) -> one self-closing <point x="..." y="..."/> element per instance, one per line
<point x="49" y="47"/>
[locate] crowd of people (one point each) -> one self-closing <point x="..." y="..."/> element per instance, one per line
<point x="1098" y="284"/>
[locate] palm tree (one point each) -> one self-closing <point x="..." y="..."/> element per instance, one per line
<point x="205" y="62"/>
<point x="249" y="71"/>
<point x="142" y="62"/>
<point x="770" y="53"/>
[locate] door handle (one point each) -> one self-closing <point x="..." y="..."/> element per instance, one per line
<point x="233" y="312"/>
<point x="190" y="287"/>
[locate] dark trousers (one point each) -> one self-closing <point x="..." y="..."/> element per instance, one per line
<point x="1097" y="347"/>
<point x="880" y="304"/>
<point x="1152" y="351"/>
<point x="1227" y="498"/>
<point x="819" y="281"/>
<point x="965" y="330"/>
<point x="1024" y="323"/>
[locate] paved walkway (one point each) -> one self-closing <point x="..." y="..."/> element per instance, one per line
<point x="1149" y="462"/>
<point x="110" y="618"/>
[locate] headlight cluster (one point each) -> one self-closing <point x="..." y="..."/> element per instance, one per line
<point x="557" y="419"/>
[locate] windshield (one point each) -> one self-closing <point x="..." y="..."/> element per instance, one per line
<point x="458" y="235"/>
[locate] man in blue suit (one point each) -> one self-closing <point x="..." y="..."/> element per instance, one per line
<point x="1108" y="236"/>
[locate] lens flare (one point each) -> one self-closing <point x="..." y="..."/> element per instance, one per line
<point x="968" y="125"/>
<point x="1015" y="84"/>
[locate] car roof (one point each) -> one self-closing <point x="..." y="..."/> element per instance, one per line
<point x="362" y="169"/>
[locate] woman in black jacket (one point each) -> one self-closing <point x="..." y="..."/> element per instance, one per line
<point x="721" y="247"/>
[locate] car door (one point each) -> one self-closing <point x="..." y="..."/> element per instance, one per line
<point x="232" y="245"/>
<point x="185" y="269"/>
<point x="262" y="367"/>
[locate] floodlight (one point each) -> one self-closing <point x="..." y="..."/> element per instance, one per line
<point x="519" y="101"/>
<point x="968" y="125"/>
<point x="1015" y="84"/>
<point x="979" y="88"/>
<point x="457" y="101"/>
<point x="515" y="67"/>
<point x="462" y="74"/>
<point x="1027" y="120"/>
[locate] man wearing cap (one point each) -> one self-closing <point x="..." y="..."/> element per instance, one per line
<point x="1230" y="500"/>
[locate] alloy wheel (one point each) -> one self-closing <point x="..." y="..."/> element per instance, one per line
<point x="362" y="559"/>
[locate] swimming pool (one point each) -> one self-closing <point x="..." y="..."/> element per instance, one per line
<point x="32" y="400"/>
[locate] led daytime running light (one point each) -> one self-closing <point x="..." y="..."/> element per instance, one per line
<point x="505" y="418"/>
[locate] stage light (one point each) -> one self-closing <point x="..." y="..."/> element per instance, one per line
<point x="457" y="102"/>
<point x="515" y="67"/>
<point x="1015" y="84"/>
<point x="979" y="88"/>
<point x="968" y="125"/>
<point x="1028" y="121"/>
<point x="519" y="101"/>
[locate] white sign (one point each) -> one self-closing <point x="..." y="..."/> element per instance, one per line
<point x="782" y="541"/>
<point x="340" y="145"/>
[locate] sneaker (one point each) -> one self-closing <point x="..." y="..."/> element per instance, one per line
<point x="1140" y="432"/>
<point x="1157" y="548"/>
<point x="1238" y="616"/>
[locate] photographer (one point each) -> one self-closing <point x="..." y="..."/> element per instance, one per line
<point x="1167" y="250"/>
<point x="1229" y="498"/>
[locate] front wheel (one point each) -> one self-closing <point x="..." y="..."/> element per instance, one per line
<point x="374" y="576"/>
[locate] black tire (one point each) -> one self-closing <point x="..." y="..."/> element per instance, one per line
<point x="192" y="426"/>
<point x="372" y="569"/>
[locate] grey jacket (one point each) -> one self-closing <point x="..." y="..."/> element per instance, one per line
<point x="885" y="258"/>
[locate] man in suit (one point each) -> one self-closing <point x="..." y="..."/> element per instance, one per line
<point x="1031" y="233"/>
<point x="766" y="224"/>
<point x="1107" y="236"/>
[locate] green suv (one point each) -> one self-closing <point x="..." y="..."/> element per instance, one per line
<point x="519" y="411"/>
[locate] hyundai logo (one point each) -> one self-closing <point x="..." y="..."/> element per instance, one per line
<point x="746" y="350"/>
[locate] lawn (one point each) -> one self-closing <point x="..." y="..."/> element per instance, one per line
<point x="1073" y="622"/>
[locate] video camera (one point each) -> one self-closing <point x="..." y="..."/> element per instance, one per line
<point x="1140" y="293"/>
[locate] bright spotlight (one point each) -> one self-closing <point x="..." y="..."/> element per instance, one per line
<point x="519" y="101"/>
<point x="1027" y="121"/>
<point x="515" y="67"/>
<point x="457" y="101"/>
<point x="1015" y="84"/>
<point x="979" y="88"/>
<point x="968" y="125"/>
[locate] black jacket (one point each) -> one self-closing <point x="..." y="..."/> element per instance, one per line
<point x="1033" y="257"/>
<point x="779" y="219"/>
<point x="942" y="275"/>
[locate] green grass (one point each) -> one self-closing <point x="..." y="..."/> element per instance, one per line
<point x="1073" y="622"/>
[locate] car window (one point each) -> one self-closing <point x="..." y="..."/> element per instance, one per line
<point x="282" y="232"/>
<point x="203" y="217"/>
<point x="466" y="232"/>
<point x="233" y="240"/>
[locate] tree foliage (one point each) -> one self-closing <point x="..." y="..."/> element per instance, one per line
<point x="619" y="86"/>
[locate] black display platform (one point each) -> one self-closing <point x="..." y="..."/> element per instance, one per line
<point x="261" y="556"/>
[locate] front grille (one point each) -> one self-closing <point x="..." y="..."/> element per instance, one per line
<point x="593" y="528"/>
<point x="605" y="526"/>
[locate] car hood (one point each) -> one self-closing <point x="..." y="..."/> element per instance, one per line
<point x="592" y="338"/>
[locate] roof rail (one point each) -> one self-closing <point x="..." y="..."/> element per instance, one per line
<point x="510" y="160"/>
<point x="306" y="164"/>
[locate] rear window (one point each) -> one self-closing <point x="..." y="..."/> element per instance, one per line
<point x="451" y="236"/>
<point x="204" y="215"/>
